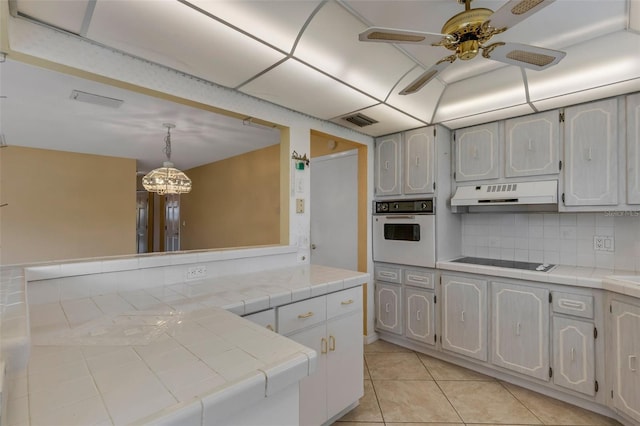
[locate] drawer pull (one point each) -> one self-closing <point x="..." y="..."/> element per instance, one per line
<point x="418" y="278"/>
<point x="307" y="315"/>
<point x="387" y="274"/>
<point x="632" y="362"/>
<point x="332" y="343"/>
<point x="570" y="304"/>
<point x="323" y="345"/>
<point x="347" y="302"/>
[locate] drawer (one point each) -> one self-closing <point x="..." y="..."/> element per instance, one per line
<point x="302" y="314"/>
<point x="419" y="278"/>
<point x="573" y="304"/>
<point x="388" y="273"/>
<point x="266" y="318"/>
<point x="343" y="302"/>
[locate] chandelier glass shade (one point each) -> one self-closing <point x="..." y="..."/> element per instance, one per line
<point x="167" y="179"/>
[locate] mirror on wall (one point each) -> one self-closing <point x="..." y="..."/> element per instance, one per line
<point x="75" y="151"/>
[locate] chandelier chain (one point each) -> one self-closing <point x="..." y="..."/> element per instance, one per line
<point x="167" y="144"/>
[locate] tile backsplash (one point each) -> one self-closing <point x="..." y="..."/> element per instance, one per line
<point x="559" y="238"/>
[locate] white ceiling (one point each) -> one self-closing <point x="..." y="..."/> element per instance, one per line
<point x="305" y="55"/>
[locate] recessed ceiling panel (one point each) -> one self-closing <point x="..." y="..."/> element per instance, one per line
<point x="388" y="120"/>
<point x="276" y="22"/>
<point x="296" y="86"/>
<point x="488" y="92"/>
<point x="331" y="44"/>
<point x="64" y="14"/>
<point x="422" y="104"/>
<point x="610" y="59"/>
<point x="173" y="34"/>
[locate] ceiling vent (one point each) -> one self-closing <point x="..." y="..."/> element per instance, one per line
<point x="360" y="120"/>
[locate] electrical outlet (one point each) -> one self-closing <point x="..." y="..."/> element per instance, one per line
<point x="603" y="243"/>
<point x="196" y="272"/>
<point x="300" y="205"/>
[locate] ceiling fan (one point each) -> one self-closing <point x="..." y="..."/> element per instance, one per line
<point x="467" y="34"/>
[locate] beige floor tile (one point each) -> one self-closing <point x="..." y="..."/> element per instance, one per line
<point x="396" y="366"/>
<point x="341" y="423"/>
<point x="413" y="401"/>
<point x="366" y="374"/>
<point x="422" y="424"/>
<point x="486" y="402"/>
<point x="555" y="412"/>
<point x="441" y="370"/>
<point x="382" y="346"/>
<point x="368" y="409"/>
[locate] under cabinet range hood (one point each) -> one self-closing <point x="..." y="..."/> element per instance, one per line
<point x="515" y="196"/>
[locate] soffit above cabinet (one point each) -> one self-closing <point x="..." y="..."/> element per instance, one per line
<point x="259" y="46"/>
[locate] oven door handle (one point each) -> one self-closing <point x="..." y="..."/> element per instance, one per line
<point x="401" y="217"/>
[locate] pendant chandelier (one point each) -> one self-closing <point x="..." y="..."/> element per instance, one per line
<point x="167" y="179"/>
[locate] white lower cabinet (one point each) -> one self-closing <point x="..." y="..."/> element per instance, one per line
<point x="625" y="356"/>
<point x="574" y="355"/>
<point x="388" y="304"/>
<point x="420" y="315"/>
<point x="464" y="316"/>
<point x="521" y="329"/>
<point x="338" y="379"/>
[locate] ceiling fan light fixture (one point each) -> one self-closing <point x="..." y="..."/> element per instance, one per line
<point x="468" y="49"/>
<point x="167" y="179"/>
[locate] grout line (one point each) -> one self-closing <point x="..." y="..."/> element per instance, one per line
<point x="373" y="386"/>
<point x="520" y="401"/>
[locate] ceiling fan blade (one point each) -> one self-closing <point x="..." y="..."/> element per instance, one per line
<point x="515" y="11"/>
<point x="390" y="35"/>
<point x="523" y="55"/>
<point x="427" y="76"/>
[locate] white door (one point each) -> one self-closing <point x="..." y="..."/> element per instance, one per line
<point x="334" y="210"/>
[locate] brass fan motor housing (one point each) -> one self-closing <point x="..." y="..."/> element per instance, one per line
<point x="470" y="30"/>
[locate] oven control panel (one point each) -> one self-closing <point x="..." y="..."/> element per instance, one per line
<point x="423" y="206"/>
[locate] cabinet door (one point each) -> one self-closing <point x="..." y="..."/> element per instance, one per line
<point x="420" y="315"/>
<point x="521" y="329"/>
<point x="344" y="363"/>
<point x="387" y="160"/>
<point x="419" y="161"/>
<point x="531" y="145"/>
<point x="574" y="355"/>
<point x="464" y="316"/>
<point x="313" y="389"/>
<point x="591" y="158"/>
<point x="477" y="155"/>
<point x="388" y="308"/>
<point x="633" y="149"/>
<point x="626" y="358"/>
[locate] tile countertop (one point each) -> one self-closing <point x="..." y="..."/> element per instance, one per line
<point x="623" y="282"/>
<point x="175" y="352"/>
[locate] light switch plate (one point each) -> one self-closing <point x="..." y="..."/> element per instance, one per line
<point x="603" y="243"/>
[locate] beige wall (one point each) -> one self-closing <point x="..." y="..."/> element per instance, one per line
<point x="233" y="202"/>
<point x="65" y="205"/>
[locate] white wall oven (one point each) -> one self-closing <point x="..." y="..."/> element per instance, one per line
<point x="404" y="232"/>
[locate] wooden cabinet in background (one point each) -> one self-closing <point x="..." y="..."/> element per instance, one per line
<point x="591" y="154"/>
<point x="464" y="316"/>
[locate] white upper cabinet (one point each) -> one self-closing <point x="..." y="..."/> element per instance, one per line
<point x="418" y="161"/>
<point x="531" y="145"/>
<point x="633" y="149"/>
<point x="590" y="154"/>
<point x="387" y="161"/>
<point x="477" y="152"/>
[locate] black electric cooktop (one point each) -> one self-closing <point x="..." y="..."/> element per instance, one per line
<point x="513" y="264"/>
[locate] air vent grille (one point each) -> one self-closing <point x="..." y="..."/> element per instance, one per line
<point x="360" y="120"/>
<point x="502" y="187"/>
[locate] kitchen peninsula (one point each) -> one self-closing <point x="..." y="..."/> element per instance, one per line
<point x="120" y="341"/>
